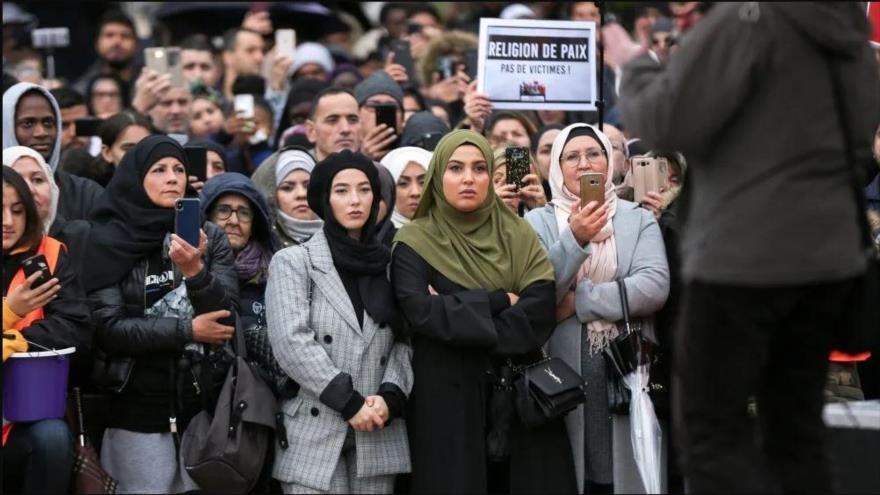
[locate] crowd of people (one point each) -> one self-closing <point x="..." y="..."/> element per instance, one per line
<point x="386" y="279"/>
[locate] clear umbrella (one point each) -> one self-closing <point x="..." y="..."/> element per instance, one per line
<point x="645" y="432"/>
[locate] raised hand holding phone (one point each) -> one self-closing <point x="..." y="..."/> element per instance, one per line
<point x="31" y="296"/>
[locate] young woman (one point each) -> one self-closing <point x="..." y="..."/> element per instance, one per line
<point x="408" y="166"/>
<point x="337" y="342"/>
<point x="592" y="246"/>
<point x="295" y="222"/>
<point x="106" y="95"/>
<point x="162" y="309"/>
<point x="475" y="288"/>
<point x="50" y="315"/>
<point x="118" y="134"/>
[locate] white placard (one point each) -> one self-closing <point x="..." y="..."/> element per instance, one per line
<point x="538" y="65"/>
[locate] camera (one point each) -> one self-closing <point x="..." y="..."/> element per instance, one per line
<point x="50" y="37"/>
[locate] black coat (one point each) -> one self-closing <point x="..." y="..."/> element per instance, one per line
<point x="144" y="352"/>
<point x="457" y="340"/>
<point x="77" y="195"/>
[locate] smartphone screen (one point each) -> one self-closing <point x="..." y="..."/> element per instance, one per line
<point x="197" y="162"/>
<point x="592" y="188"/>
<point x="244" y="106"/>
<point x="386" y="113"/>
<point x="472" y="60"/>
<point x="518" y="163"/>
<point x="87" y="126"/>
<point x="36" y="264"/>
<point x="403" y="56"/>
<point x="285" y="42"/>
<point x="186" y="220"/>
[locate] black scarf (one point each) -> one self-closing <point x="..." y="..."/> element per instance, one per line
<point x="365" y="259"/>
<point x="126" y="225"/>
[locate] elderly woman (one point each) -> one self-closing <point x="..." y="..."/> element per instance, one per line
<point x="592" y="246"/>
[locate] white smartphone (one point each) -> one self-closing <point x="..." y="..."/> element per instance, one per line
<point x="285" y="42"/>
<point x="244" y="106"/>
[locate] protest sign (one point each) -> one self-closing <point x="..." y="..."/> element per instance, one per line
<point x="538" y="65"/>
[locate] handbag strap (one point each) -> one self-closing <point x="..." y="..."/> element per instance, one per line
<point x="624" y="304"/>
<point x="858" y="192"/>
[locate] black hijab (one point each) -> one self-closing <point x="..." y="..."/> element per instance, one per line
<point x="362" y="263"/>
<point x="385" y="229"/>
<point x="126" y="225"/>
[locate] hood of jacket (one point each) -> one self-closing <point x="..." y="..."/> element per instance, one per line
<point x="10" y="101"/>
<point x="839" y="27"/>
<point x="232" y="182"/>
<point x="453" y="42"/>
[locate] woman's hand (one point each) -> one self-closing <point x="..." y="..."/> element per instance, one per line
<point x="366" y="419"/>
<point x="396" y="71"/>
<point x="25" y="299"/>
<point x="377" y="403"/>
<point x="207" y="328"/>
<point x="586" y="223"/>
<point x="477" y="107"/>
<point x="532" y="193"/>
<point x="187" y="257"/>
<point x="451" y="89"/>
<point x="653" y="202"/>
<point x="196" y="183"/>
<point x="377" y="141"/>
<point x="509" y="195"/>
<point x="240" y="128"/>
<point x="566" y="308"/>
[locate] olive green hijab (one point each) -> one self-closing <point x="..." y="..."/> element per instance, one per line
<point x="489" y="248"/>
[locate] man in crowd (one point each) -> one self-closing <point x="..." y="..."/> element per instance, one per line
<point x="116" y="47"/>
<point x="243" y="52"/>
<point x="378" y="89"/>
<point x="73" y="107"/>
<point x="334" y="123"/>
<point x="171" y="114"/>
<point x="197" y="61"/>
<point x="31" y="118"/>
<point x="771" y="250"/>
<point x="618" y="151"/>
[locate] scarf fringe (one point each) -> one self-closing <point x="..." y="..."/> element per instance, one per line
<point x="599" y="335"/>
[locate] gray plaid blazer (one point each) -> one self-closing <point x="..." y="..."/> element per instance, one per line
<point x="315" y="335"/>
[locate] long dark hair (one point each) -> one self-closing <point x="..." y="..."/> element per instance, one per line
<point x="109" y="131"/>
<point x="33" y="228"/>
<point x="120" y="84"/>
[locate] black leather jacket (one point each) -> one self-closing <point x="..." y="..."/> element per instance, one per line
<point x="124" y="336"/>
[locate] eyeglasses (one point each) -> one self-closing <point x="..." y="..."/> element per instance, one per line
<point x="573" y="158"/>
<point x="224" y="212"/>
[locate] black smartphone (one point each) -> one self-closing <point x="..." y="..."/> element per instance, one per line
<point x="471" y="57"/>
<point x="403" y="56"/>
<point x="186" y="220"/>
<point x="413" y="28"/>
<point x="386" y="113"/>
<point x="36" y="264"/>
<point x="197" y="162"/>
<point x="87" y="127"/>
<point x="518" y="164"/>
<point x="446" y="67"/>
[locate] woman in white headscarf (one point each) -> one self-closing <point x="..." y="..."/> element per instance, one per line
<point x="295" y="222"/>
<point x="591" y="247"/>
<point x="36" y="173"/>
<point x="408" y="165"/>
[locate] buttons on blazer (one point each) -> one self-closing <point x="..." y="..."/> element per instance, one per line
<point x="328" y="339"/>
<point x="382" y="361"/>
<point x="314" y="411"/>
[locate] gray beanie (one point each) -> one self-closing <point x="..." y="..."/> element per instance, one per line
<point x="379" y="83"/>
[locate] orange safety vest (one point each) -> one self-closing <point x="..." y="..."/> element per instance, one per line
<point x="51" y="249"/>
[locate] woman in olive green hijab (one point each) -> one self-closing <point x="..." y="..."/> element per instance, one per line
<point x="476" y="289"/>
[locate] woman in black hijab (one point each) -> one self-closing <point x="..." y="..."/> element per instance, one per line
<point x="385" y="229"/>
<point x="338" y="343"/>
<point x="161" y="303"/>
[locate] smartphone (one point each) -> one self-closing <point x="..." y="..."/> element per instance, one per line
<point x="186" y="220"/>
<point x="285" y="43"/>
<point x="165" y="60"/>
<point x="592" y="188"/>
<point x="386" y="113"/>
<point x="87" y="126"/>
<point x="472" y="58"/>
<point x="649" y="175"/>
<point x="197" y="162"/>
<point x="403" y="56"/>
<point x="36" y="264"/>
<point x="244" y="106"/>
<point x="50" y="37"/>
<point x="446" y="67"/>
<point x="518" y="164"/>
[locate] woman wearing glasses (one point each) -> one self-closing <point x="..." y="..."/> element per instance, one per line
<point x="591" y="247"/>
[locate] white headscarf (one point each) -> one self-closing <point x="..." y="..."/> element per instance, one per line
<point x="601" y="265"/>
<point x="13" y="153"/>
<point x="396" y="162"/>
<point x="295" y="228"/>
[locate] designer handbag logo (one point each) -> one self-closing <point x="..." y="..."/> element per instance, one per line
<point x="553" y="376"/>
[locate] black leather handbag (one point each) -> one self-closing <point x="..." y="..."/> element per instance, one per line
<point x="546" y="390"/>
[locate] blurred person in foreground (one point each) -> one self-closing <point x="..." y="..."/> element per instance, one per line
<point x="772" y="256"/>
